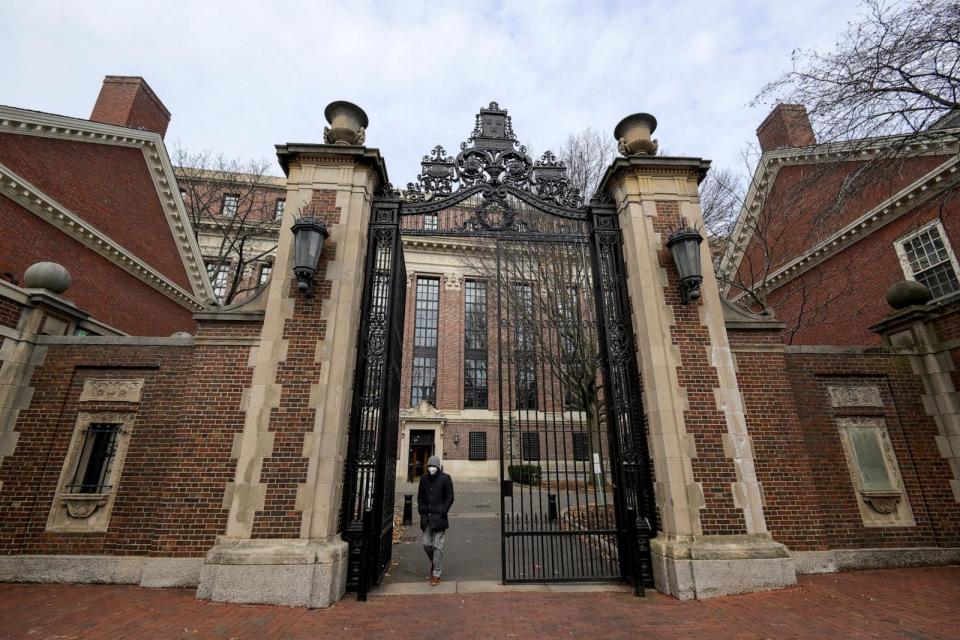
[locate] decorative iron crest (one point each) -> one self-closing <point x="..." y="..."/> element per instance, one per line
<point x="491" y="158"/>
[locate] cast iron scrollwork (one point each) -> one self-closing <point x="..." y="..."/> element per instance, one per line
<point x="492" y="157"/>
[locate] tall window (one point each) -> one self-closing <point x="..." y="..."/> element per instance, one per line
<point x="229" y="205"/>
<point x="581" y="445"/>
<point x="525" y="369"/>
<point x="96" y="459"/>
<point x="475" y="345"/>
<point x="926" y="256"/>
<point x="265" y="271"/>
<point x="218" y="278"/>
<point x="279" y="207"/>
<point x="425" y="321"/>
<point x="431" y="221"/>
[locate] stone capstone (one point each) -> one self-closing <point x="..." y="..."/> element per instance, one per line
<point x="908" y="293"/>
<point x="47" y="275"/>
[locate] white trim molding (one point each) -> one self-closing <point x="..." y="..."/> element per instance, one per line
<point x="908" y="271"/>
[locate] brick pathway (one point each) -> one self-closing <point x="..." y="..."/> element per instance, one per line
<point x="900" y="603"/>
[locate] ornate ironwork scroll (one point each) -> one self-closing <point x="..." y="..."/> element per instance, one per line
<point x="626" y="420"/>
<point x="369" y="472"/>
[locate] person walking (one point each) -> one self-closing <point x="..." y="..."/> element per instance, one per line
<point x="434" y="498"/>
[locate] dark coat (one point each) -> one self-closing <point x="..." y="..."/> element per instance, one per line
<point x="434" y="498"/>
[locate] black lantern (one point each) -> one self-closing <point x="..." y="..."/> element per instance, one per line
<point x="308" y="237"/>
<point x="684" y="245"/>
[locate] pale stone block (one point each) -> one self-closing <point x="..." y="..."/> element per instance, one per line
<point x="8" y="442"/>
<point x="171" y="572"/>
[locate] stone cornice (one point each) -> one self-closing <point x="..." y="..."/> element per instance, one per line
<point x="32" y="199"/>
<point x="654" y="166"/>
<point x="338" y="153"/>
<point x="939" y="143"/>
<point x="36" y="123"/>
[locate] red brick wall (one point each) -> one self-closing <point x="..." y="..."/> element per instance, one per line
<point x="30" y="476"/>
<point x="286" y="468"/>
<point x="925" y="474"/>
<point x="837" y="301"/>
<point x="100" y="288"/>
<point x="787" y="126"/>
<point x="9" y="312"/>
<point x="711" y="467"/>
<point x="170" y="498"/>
<point x="108" y="186"/>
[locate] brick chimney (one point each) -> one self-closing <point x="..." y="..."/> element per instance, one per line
<point x="786" y="126"/>
<point x="128" y="101"/>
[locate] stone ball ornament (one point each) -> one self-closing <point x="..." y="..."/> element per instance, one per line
<point x="348" y="123"/>
<point x="633" y="135"/>
<point x="47" y="275"/>
<point x="908" y="293"/>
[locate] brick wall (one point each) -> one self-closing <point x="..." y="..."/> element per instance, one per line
<point x="9" y="312"/>
<point x="108" y="186"/>
<point x="912" y="433"/>
<point x="102" y="289"/>
<point x="286" y="468"/>
<point x="711" y="467"/>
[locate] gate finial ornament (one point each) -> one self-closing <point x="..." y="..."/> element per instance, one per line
<point x="493" y="158"/>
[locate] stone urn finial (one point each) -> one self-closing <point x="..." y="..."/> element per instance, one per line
<point x="348" y="123"/>
<point x="47" y="275"/>
<point x="633" y="135"/>
<point x="907" y="293"/>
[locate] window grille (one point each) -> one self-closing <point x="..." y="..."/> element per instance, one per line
<point x="426" y="317"/>
<point x="279" y="207"/>
<point x="96" y="459"/>
<point x="581" y="446"/>
<point x="228" y="208"/>
<point x="475" y="345"/>
<point x="926" y="256"/>
<point x="530" y="446"/>
<point x="478" y="445"/>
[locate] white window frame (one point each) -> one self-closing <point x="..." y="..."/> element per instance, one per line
<point x="905" y="260"/>
<point x="268" y="267"/>
<point x="279" y="206"/>
<point x="230" y="212"/>
<point x="216" y="271"/>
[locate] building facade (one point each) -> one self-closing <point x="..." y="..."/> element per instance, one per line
<point x="230" y="459"/>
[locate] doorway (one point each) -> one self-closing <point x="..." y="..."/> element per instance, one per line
<point x="420" y="450"/>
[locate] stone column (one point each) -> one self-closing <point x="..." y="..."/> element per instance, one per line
<point x="282" y="544"/>
<point x="713" y="539"/>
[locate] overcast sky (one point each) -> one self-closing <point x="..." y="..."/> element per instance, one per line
<point x="241" y="76"/>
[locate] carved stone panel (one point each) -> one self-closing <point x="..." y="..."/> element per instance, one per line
<point x="855" y="396"/>
<point x="874" y="472"/>
<point x="112" y="390"/>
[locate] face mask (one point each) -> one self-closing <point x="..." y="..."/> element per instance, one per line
<point x="432" y="470"/>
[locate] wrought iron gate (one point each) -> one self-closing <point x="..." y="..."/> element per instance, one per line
<point x="370" y="470"/>
<point x="576" y="488"/>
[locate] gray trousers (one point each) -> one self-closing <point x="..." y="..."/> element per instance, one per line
<point x="433" y="545"/>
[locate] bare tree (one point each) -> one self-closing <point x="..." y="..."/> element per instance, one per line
<point x="232" y="205"/>
<point x="890" y="82"/>
<point x="895" y="70"/>
<point x="587" y="155"/>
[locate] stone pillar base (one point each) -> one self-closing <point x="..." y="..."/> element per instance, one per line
<point x="699" y="567"/>
<point x="295" y="573"/>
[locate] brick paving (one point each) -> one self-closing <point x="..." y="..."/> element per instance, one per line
<point x="897" y="603"/>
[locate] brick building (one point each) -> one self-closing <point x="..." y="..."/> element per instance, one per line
<point x="227" y="459"/>
<point x="826" y="229"/>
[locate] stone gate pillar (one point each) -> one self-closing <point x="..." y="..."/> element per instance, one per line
<point x="282" y="544"/>
<point x="712" y="537"/>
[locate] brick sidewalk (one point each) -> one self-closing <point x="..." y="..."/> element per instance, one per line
<point x="900" y="603"/>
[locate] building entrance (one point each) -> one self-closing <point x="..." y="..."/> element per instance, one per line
<point x="420" y="450"/>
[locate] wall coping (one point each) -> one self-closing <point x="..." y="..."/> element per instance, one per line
<point x="128" y="341"/>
